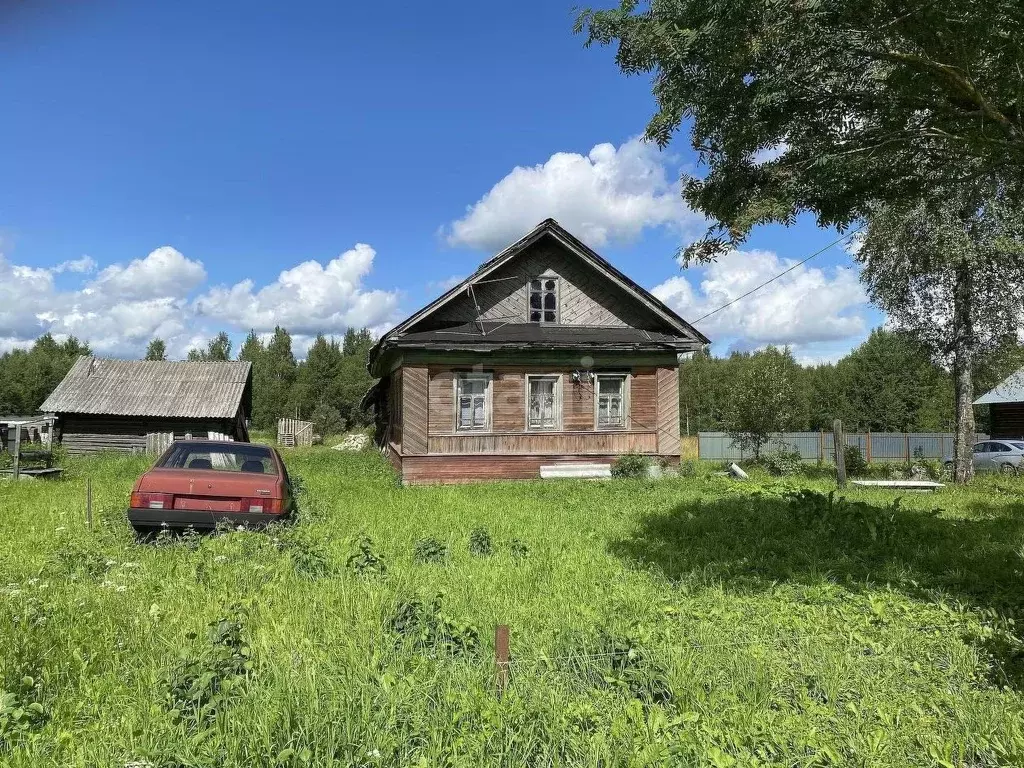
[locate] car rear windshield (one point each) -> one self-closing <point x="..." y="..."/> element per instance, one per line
<point x="227" y="457"/>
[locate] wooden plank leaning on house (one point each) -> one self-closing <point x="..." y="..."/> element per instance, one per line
<point x="668" y="412"/>
<point x="414" y="412"/>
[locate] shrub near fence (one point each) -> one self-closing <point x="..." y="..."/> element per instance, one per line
<point x="819" y="446"/>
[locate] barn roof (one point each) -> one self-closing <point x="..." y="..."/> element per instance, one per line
<point x="1009" y="390"/>
<point x="154" y="388"/>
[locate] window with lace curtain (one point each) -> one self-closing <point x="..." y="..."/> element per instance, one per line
<point x="543" y="402"/>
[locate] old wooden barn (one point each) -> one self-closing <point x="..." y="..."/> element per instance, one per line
<point x="112" y="405"/>
<point x="545" y="359"/>
<point x="1006" y="407"/>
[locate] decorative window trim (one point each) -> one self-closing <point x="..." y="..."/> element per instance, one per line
<point x="626" y="419"/>
<point x="457" y="380"/>
<point x="543" y="278"/>
<point x="557" y="407"/>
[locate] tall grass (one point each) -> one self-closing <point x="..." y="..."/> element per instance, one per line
<point x="687" y="621"/>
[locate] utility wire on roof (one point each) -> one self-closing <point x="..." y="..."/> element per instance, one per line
<point x="784" y="272"/>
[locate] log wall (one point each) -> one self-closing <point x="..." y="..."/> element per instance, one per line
<point x="84" y="433"/>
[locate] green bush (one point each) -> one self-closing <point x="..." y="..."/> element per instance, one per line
<point x="631" y="465"/>
<point x="783" y="462"/>
<point x="430" y="550"/>
<point x="856" y="466"/>
<point x="480" y="542"/>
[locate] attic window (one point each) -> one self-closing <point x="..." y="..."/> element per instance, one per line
<point x="544" y="300"/>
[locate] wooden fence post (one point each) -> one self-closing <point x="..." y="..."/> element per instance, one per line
<point x="501" y="658"/>
<point x="906" y="437"/>
<point x="867" y="444"/>
<point x="840" y="444"/>
<point x="88" y="503"/>
<point x="821" y="445"/>
<point x="16" y="471"/>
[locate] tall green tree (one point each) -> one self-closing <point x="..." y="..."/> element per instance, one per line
<point x="887" y="383"/>
<point x="826" y="106"/>
<point x="282" y="371"/>
<point x="218" y="349"/>
<point x="951" y="273"/>
<point x="263" y="408"/>
<point x="156" y="350"/>
<point x="762" y="401"/>
<point x="27" y="377"/>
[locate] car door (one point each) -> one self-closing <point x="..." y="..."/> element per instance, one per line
<point x="982" y="457"/>
<point x="998" y="454"/>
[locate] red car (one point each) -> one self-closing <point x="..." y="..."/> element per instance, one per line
<point x="200" y="483"/>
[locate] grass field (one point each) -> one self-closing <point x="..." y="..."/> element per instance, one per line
<point x="690" y="621"/>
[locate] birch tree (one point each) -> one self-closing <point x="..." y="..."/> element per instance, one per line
<point x="950" y="272"/>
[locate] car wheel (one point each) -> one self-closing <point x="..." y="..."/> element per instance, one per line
<point x="1008" y="469"/>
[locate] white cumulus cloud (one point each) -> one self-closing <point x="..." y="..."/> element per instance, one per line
<point x="610" y="194"/>
<point x="804" y="307"/>
<point x="164" y="294"/>
<point x="307" y="299"/>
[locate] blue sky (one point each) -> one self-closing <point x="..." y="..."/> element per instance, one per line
<point x="177" y="168"/>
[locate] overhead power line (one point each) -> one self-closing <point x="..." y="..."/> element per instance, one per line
<point x="757" y="288"/>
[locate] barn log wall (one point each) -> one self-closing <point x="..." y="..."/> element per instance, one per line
<point x="1007" y="420"/>
<point x="83" y="433"/>
<point x="417" y="470"/>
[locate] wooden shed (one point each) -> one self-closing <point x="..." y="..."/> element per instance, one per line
<point x="112" y="405"/>
<point x="1006" y="407"/>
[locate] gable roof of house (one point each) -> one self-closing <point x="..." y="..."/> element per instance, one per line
<point x="550" y="227"/>
<point x="1009" y="390"/>
<point x="212" y="390"/>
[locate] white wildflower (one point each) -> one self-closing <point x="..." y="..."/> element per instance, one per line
<point x="121" y="588"/>
<point x="220" y="559"/>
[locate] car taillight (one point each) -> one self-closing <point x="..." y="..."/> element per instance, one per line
<point x="261" y="505"/>
<point x="143" y="500"/>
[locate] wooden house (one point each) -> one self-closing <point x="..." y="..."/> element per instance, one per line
<point x="546" y="356"/>
<point x="112" y="405"/>
<point x="1006" y="407"/>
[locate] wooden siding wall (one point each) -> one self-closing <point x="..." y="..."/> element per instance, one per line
<point x="668" y="411"/>
<point x="570" y="443"/>
<point x="88" y="434"/>
<point x="1007" y="420"/>
<point x="586" y="297"/>
<point x="414" y="410"/>
<point x="508" y="397"/>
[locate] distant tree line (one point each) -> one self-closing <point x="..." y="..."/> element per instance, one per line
<point x="890" y="383"/>
<point x="325" y="388"/>
<point x="28" y="376"/>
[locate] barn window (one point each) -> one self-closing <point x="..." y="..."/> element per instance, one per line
<point x="544" y="300"/>
<point x="472" y="401"/>
<point x="544" y="402"/>
<point x="610" y="392"/>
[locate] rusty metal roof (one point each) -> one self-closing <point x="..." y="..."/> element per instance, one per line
<point x="154" y="388"/>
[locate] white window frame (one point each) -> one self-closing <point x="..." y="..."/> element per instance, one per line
<point x="625" y="376"/>
<point x="558" y="299"/>
<point x="557" y="406"/>
<point x="488" y="379"/>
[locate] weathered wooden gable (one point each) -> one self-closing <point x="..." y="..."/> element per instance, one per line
<point x="586" y="297"/>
